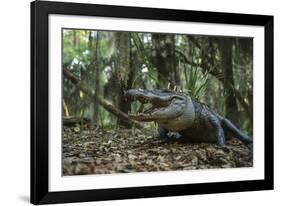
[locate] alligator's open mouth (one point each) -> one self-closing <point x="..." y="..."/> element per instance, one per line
<point x="146" y="107"/>
<point x="155" y="105"/>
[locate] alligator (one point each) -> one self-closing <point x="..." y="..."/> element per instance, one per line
<point x="177" y="112"/>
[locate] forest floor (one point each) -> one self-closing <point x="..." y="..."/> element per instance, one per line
<point x="104" y="151"/>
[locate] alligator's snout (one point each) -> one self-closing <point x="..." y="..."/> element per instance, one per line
<point x="134" y="91"/>
<point x="164" y="104"/>
<point x="136" y="94"/>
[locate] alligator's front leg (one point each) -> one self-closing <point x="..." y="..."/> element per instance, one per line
<point x="165" y="135"/>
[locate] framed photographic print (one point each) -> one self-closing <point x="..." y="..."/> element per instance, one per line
<point x="131" y="102"/>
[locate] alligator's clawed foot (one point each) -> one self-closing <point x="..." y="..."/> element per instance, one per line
<point x="174" y="135"/>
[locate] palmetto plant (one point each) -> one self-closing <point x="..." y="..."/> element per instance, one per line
<point x="196" y="82"/>
<point x="152" y="74"/>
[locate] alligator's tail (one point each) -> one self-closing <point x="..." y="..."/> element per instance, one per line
<point x="229" y="126"/>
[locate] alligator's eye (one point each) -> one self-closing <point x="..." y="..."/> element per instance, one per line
<point x="178" y="97"/>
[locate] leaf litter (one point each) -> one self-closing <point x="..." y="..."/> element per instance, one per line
<point x="106" y="151"/>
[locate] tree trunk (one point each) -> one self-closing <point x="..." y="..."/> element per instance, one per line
<point x="163" y="58"/>
<point x="74" y="39"/>
<point x="226" y="47"/>
<point x="123" y="72"/>
<point x="97" y="81"/>
<point x="65" y="109"/>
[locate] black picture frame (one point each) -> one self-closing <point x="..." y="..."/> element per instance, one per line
<point x="39" y="102"/>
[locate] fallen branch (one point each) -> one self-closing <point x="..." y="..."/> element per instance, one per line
<point x="72" y="121"/>
<point x="103" y="102"/>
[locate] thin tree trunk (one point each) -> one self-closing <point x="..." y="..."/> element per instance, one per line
<point x="123" y="71"/>
<point x="226" y="63"/>
<point x="97" y="81"/>
<point x="65" y="109"/>
<point x="74" y="40"/>
<point x="163" y="57"/>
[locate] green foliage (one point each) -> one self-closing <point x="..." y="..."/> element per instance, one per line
<point x="75" y="47"/>
<point x="196" y="82"/>
<point x="144" y="58"/>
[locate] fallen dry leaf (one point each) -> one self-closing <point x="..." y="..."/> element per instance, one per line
<point x="98" y="151"/>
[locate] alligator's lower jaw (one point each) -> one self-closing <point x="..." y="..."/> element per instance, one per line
<point x="145" y="117"/>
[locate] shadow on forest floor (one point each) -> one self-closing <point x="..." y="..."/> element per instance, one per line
<point x="98" y="151"/>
